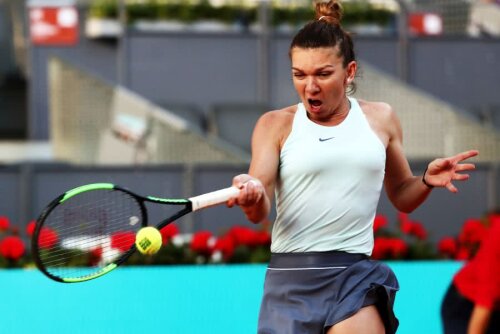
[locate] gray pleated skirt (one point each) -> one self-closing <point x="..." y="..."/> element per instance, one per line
<point x="307" y="293"/>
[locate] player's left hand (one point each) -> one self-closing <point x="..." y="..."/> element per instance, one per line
<point x="441" y="172"/>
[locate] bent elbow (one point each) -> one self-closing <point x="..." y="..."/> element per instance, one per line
<point x="404" y="206"/>
<point x="254" y="220"/>
<point x="407" y="210"/>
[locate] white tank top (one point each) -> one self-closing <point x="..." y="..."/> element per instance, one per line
<point x="329" y="184"/>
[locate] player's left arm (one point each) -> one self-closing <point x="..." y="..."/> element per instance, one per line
<point x="407" y="191"/>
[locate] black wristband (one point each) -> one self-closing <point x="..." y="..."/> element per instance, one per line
<point x="423" y="179"/>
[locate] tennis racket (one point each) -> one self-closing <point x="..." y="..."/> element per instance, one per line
<point x="88" y="231"/>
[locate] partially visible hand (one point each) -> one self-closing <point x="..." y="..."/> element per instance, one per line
<point x="441" y="172"/>
<point x="251" y="191"/>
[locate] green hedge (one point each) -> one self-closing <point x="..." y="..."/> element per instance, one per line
<point x="354" y="12"/>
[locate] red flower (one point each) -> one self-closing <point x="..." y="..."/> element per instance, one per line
<point x="12" y="248"/>
<point x="418" y="230"/>
<point x="473" y="231"/>
<point x="96" y="253"/>
<point x="380" y="248"/>
<point x="410" y="227"/>
<point x="244" y="236"/>
<point x="95" y="256"/>
<point x="30" y="228"/>
<point x="47" y="238"/>
<point x="168" y="232"/>
<point x="122" y="240"/>
<point x="387" y="248"/>
<point x="4" y="223"/>
<point x="406" y="226"/>
<point x="403" y="217"/>
<point x="398" y="248"/>
<point x="448" y="247"/>
<point x="225" y="245"/>
<point x="379" y="222"/>
<point x="200" y="242"/>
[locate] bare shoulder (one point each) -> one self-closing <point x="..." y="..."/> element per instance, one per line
<point x="279" y="117"/>
<point x="377" y="109"/>
<point x="277" y="123"/>
<point x="382" y="119"/>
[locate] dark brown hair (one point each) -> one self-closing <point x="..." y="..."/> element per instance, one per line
<point x="326" y="31"/>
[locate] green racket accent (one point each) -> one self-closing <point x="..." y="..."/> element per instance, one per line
<point x="104" y="271"/>
<point x="85" y="188"/>
<point x="71" y="239"/>
<point x="166" y="200"/>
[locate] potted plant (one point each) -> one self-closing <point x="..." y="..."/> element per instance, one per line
<point x="202" y="16"/>
<point x="154" y="16"/>
<point x="102" y="20"/>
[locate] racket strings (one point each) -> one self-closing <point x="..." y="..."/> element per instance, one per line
<point x="84" y="234"/>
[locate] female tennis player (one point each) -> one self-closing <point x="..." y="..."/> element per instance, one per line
<point x="326" y="159"/>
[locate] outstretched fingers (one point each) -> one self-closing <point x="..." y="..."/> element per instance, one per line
<point x="451" y="187"/>
<point x="464" y="167"/>
<point x="461" y="168"/>
<point x="443" y="171"/>
<point x="465" y="155"/>
<point x="456" y="177"/>
<point x="460" y="177"/>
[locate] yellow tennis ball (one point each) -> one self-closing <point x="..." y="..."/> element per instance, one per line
<point x="148" y="240"/>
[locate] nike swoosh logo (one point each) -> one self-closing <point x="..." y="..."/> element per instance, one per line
<point x="325" y="139"/>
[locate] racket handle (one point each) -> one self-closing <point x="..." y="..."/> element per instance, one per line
<point x="213" y="198"/>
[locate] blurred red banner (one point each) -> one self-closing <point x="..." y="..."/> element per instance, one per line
<point x="54" y="25"/>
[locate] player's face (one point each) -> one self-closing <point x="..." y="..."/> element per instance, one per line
<point x="321" y="79"/>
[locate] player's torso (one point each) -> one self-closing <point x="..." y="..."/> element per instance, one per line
<point x="329" y="181"/>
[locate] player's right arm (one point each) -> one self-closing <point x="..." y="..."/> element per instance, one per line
<point x="257" y="187"/>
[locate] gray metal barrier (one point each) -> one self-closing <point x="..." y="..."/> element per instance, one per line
<point x="27" y="188"/>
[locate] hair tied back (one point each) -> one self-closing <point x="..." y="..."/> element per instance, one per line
<point x="329" y="11"/>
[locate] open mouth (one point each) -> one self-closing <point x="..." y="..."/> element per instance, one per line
<point x="315" y="104"/>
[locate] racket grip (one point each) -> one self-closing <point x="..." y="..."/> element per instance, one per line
<point x="213" y="198"/>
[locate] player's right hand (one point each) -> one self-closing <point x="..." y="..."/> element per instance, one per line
<point x="251" y="191"/>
